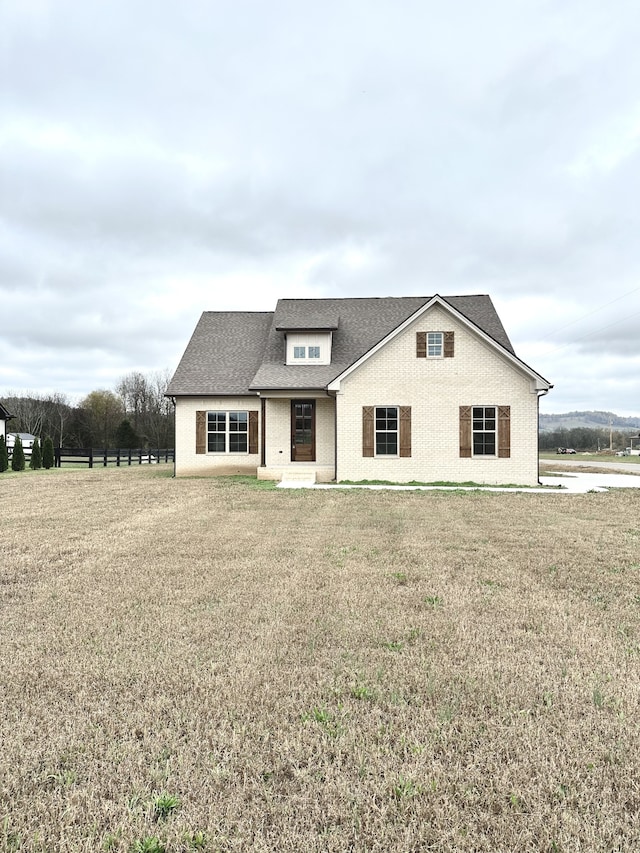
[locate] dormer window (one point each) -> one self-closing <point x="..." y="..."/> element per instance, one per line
<point x="308" y="347"/>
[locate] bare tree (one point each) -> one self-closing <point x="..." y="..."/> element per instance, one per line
<point x="147" y="408"/>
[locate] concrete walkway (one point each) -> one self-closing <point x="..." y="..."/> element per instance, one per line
<point x="565" y="483"/>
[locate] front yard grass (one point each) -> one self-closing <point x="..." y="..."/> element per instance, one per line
<point x="202" y="665"/>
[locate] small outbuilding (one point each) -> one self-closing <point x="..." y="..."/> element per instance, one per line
<point x="25" y="437"/>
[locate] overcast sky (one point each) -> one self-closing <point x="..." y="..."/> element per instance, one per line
<point x="158" y="159"/>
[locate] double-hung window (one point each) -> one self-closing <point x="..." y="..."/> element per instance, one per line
<point x="227" y="432"/>
<point x="299" y="352"/>
<point x="484" y="430"/>
<point x="434" y="344"/>
<point x="386" y="430"/>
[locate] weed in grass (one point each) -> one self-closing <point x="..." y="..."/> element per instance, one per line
<point x="318" y="715"/>
<point x="406" y="789"/>
<point x="164" y="805"/>
<point x="328" y="722"/>
<point x="149" y="844"/>
<point x="361" y="691"/>
<point x="400" y="578"/>
<point x="516" y="802"/>
<point x="111" y="841"/>
<point x="414" y="635"/>
<point x="196" y="840"/>
<point x="393" y="645"/>
<point x="433" y="601"/>
<point x="62" y="779"/>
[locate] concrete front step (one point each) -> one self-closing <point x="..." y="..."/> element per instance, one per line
<point x="299" y="475"/>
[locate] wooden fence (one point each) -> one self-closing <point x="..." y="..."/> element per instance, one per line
<point x="92" y="456"/>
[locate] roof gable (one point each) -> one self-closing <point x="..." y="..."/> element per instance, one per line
<point x="486" y="318"/>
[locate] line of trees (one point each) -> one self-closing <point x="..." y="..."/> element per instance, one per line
<point x="586" y="438"/>
<point x="134" y="414"/>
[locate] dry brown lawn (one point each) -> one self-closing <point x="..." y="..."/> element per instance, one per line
<point x="220" y="667"/>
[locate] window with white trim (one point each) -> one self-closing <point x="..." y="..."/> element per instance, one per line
<point x="435" y="344"/>
<point x="314" y="352"/>
<point x="227" y="432"/>
<point x="484" y="430"/>
<point x="386" y="430"/>
<point x="299" y="352"/>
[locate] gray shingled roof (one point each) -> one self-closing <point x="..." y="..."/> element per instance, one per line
<point x="223" y="354"/>
<point x="307" y="314"/>
<point x="4" y="414"/>
<point x="362" y="324"/>
<point x="240" y="353"/>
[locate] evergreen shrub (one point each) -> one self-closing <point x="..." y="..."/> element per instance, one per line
<point x="17" y="457"/>
<point x="48" y="459"/>
<point x="36" y="456"/>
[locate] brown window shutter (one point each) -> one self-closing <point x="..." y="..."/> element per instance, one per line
<point x="421" y="344"/>
<point x="405" y="430"/>
<point x="504" y="432"/>
<point x="201" y="432"/>
<point x="465" y="432"/>
<point x="253" y="432"/>
<point x="448" y="344"/>
<point x="367" y="430"/>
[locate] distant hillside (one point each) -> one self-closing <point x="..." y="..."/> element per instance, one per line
<point x="590" y="420"/>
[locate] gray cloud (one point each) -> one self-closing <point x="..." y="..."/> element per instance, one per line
<point x="156" y="165"/>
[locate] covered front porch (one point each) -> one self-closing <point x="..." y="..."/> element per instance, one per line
<point x="298" y="438"/>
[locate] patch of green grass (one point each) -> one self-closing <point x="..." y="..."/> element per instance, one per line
<point x="450" y="484"/>
<point x="251" y="482"/>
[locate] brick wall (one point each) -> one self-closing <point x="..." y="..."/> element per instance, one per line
<point x="188" y="462"/>
<point x="435" y="389"/>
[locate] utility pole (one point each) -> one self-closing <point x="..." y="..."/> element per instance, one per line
<point x="610" y="434"/>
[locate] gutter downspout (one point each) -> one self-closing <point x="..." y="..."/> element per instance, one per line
<point x="173" y="400"/>
<point x="540" y="394"/>
<point x="335" y="438"/>
<point x="263" y="431"/>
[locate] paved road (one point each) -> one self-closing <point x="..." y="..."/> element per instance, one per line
<point x="573" y="461"/>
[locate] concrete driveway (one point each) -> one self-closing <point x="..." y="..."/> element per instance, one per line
<point x="576" y="462"/>
<point x="576" y="483"/>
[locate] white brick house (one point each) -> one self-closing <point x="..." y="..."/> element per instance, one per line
<point x="400" y="389"/>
